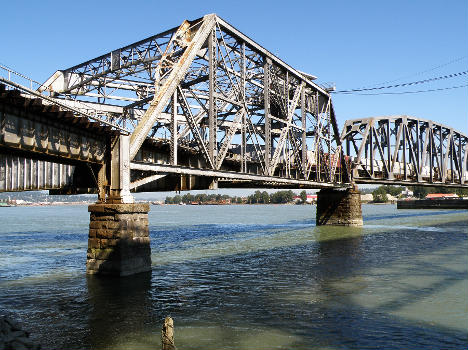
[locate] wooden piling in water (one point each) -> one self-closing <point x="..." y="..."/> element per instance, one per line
<point x="167" y="334"/>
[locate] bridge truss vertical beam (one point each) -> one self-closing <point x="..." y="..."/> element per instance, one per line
<point x="266" y="106"/>
<point x="120" y="171"/>
<point x="174" y="130"/>
<point x="212" y="118"/>
<point x="244" y="115"/>
<point x="303" y="134"/>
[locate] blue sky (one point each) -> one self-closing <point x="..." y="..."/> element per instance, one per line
<point x="351" y="43"/>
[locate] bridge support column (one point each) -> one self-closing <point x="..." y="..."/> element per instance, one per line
<point x="339" y="207"/>
<point x="118" y="242"/>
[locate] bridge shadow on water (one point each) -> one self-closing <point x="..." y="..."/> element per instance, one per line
<point x="334" y="318"/>
<point x="338" y="321"/>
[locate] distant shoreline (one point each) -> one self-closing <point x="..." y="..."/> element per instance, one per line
<point x="52" y="204"/>
<point x="43" y="204"/>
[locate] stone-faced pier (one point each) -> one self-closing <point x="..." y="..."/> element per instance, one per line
<point x="118" y="242"/>
<point x="340" y="207"/>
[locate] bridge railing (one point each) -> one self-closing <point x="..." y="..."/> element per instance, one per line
<point x="18" y="78"/>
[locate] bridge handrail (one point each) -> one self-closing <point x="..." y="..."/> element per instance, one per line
<point x="10" y="73"/>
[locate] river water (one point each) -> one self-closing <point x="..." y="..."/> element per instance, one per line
<point x="244" y="277"/>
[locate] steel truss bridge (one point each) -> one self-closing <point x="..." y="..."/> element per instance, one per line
<point x="403" y="149"/>
<point x="199" y="106"/>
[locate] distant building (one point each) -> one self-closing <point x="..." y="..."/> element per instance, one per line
<point x="441" y="195"/>
<point x="311" y="198"/>
<point x="407" y="193"/>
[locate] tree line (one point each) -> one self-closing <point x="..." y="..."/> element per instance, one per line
<point x="201" y="198"/>
<point x="258" y="197"/>
<point x="279" y="197"/>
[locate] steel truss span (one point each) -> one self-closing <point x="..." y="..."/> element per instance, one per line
<point x="206" y="86"/>
<point x="405" y="150"/>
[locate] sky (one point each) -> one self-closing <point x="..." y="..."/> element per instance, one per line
<point x="353" y="44"/>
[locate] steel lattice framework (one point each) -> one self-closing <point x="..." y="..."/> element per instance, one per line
<point x="406" y="150"/>
<point x="204" y="85"/>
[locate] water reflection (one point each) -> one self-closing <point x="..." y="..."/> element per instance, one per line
<point x="338" y="247"/>
<point x="335" y="255"/>
<point x="120" y="309"/>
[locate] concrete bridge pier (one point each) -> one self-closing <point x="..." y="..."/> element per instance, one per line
<point x="118" y="242"/>
<point x="341" y="207"/>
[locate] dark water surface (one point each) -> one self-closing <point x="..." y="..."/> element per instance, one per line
<point x="244" y="277"/>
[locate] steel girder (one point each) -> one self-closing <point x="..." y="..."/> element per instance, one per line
<point x="207" y="86"/>
<point x="405" y="150"/>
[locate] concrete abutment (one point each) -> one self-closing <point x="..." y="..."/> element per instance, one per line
<point x="341" y="207"/>
<point x="118" y="242"/>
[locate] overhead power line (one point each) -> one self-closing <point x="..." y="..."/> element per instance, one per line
<point x="448" y="76"/>
<point x="407" y="92"/>
<point x="418" y="73"/>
